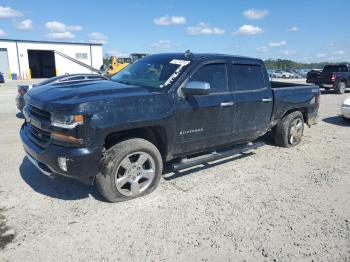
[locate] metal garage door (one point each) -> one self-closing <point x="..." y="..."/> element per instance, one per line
<point x="4" y="62"/>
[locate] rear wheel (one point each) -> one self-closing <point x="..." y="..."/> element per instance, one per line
<point x="289" y="130"/>
<point x="130" y="169"/>
<point x="340" y="88"/>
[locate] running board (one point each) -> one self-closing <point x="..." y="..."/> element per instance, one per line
<point x="186" y="163"/>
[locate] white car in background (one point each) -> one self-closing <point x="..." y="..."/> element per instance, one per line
<point x="345" y="109"/>
<point x="282" y="74"/>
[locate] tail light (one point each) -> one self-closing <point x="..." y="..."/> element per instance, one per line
<point x="333" y="78"/>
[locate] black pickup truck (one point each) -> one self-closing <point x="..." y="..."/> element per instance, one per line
<point x="177" y="108"/>
<point x="336" y="76"/>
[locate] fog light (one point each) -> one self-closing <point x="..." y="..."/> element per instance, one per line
<point x="62" y="162"/>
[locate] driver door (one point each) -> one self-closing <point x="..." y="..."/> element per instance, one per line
<point x="205" y="121"/>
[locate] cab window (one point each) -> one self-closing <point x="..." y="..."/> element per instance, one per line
<point x="215" y="75"/>
<point x="248" y="77"/>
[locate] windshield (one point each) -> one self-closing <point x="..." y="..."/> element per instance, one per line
<point x="335" y="68"/>
<point x="154" y="71"/>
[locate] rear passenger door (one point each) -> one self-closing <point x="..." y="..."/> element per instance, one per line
<point x="253" y="100"/>
<point x="204" y="121"/>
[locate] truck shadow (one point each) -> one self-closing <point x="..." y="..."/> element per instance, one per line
<point x="336" y="120"/>
<point x="60" y="187"/>
<point x="268" y="139"/>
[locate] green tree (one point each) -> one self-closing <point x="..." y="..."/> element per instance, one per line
<point x="283" y="64"/>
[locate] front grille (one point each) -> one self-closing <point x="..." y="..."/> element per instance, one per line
<point x="38" y="136"/>
<point x="38" y="113"/>
<point x="38" y="126"/>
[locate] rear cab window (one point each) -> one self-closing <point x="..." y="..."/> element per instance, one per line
<point x="335" y="68"/>
<point x="248" y="77"/>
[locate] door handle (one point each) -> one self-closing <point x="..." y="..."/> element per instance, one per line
<point x="266" y="100"/>
<point x="225" y="104"/>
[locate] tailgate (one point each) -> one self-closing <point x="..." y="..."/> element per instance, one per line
<point x="325" y="77"/>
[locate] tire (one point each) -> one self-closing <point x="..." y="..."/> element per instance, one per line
<point x="284" y="77"/>
<point x="285" y="127"/>
<point x="340" y="88"/>
<point x="136" y="178"/>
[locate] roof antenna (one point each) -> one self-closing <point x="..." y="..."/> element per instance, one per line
<point x="188" y="53"/>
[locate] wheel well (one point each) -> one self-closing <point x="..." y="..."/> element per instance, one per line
<point x="344" y="81"/>
<point x="154" y="134"/>
<point x="303" y="110"/>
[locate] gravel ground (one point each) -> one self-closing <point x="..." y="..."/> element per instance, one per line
<point x="274" y="204"/>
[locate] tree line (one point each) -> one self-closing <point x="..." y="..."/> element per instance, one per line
<point x="283" y="64"/>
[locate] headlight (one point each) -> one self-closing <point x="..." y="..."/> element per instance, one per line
<point x="66" y="121"/>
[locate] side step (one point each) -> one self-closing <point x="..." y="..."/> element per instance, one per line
<point x="186" y="163"/>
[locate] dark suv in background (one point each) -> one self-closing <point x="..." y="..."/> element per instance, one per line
<point x="335" y="76"/>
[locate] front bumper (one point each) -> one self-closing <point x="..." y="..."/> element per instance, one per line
<point x="327" y="85"/>
<point x="321" y="83"/>
<point x="82" y="163"/>
<point x="345" y="111"/>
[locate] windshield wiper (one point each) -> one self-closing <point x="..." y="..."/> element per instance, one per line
<point x="133" y="84"/>
<point x="123" y="82"/>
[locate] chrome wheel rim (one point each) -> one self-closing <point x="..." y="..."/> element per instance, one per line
<point x="135" y="174"/>
<point x="296" y="131"/>
<point x="342" y="88"/>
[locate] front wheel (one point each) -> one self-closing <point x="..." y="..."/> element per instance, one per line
<point x="289" y="130"/>
<point x="130" y="169"/>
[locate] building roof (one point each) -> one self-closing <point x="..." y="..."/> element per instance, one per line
<point x="47" y="42"/>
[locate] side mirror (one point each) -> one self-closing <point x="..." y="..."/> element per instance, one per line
<point x="196" y="88"/>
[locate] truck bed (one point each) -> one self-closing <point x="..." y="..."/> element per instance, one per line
<point x="291" y="95"/>
<point x="277" y="84"/>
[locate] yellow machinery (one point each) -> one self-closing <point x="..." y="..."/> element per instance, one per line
<point x="116" y="66"/>
<point x="119" y="64"/>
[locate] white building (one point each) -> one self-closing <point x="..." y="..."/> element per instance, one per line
<point x="37" y="59"/>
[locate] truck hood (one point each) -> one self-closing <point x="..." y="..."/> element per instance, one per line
<point x="62" y="97"/>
